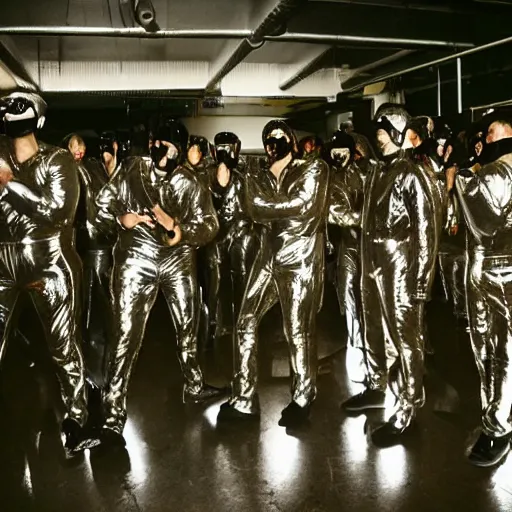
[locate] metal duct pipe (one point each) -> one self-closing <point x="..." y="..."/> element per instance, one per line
<point x="307" y="70"/>
<point x="145" y="15"/>
<point x="137" y="33"/>
<point x="430" y="64"/>
<point x="275" y="20"/>
<point x="289" y="37"/>
<point x="335" y="39"/>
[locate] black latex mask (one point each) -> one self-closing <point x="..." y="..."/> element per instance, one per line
<point x="19" y="117"/>
<point x="227" y="149"/>
<point x="158" y="153"/>
<point x="107" y="144"/>
<point x="226" y="155"/>
<point x="278" y="147"/>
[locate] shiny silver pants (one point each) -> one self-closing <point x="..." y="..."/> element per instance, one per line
<point x="394" y="337"/>
<point x="216" y="305"/>
<point x="97" y="312"/>
<point x="349" y="293"/>
<point x="242" y="253"/>
<point x="452" y="266"/>
<point x="489" y="303"/>
<point x="49" y="272"/>
<point x="138" y="275"/>
<point x="299" y="292"/>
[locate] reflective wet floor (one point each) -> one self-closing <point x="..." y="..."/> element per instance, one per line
<point x="179" y="459"/>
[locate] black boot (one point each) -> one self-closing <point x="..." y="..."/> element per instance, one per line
<point x="206" y="394"/>
<point x="112" y="439"/>
<point x="488" y="451"/>
<point x="293" y="415"/>
<point x="388" y="435"/>
<point x="76" y="438"/>
<point x="368" y="399"/>
<point x="228" y="413"/>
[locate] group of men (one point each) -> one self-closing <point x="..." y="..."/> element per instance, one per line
<point x="143" y="221"/>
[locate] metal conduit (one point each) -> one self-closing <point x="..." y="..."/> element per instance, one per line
<point x="289" y="37"/>
<point x="433" y="63"/>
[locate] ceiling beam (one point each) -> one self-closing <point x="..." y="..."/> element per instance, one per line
<point x="272" y="22"/>
<point x="10" y="60"/>
<point x="317" y="61"/>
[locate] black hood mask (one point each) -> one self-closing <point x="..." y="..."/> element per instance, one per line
<point x="22" y="114"/>
<point x="393" y="119"/>
<point x="274" y="139"/>
<point x="227" y="149"/>
<point x="172" y="131"/>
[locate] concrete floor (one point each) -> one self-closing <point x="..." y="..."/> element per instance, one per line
<point x="177" y="459"/>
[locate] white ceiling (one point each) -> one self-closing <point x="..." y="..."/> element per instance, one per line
<point x="84" y="63"/>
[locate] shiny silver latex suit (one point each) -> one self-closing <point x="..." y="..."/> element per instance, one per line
<point x="351" y="179"/>
<point x="289" y="268"/>
<point x="401" y="224"/>
<point x="486" y="200"/>
<point x="144" y="263"/>
<point x="95" y="249"/>
<point x="37" y="209"/>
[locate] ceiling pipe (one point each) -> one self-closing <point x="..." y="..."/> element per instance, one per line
<point x="138" y="33"/>
<point x="273" y="23"/>
<point x="430" y="64"/>
<point x="335" y="39"/>
<point x="308" y="69"/>
<point x="320" y="63"/>
<point x="288" y="37"/>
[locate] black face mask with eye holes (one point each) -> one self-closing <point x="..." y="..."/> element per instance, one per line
<point x="277" y="148"/>
<point x="157" y="153"/>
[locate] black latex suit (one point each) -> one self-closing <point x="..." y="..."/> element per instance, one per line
<point x="95" y="248"/>
<point x="212" y="257"/>
<point x="452" y="247"/>
<point x="486" y="200"/>
<point x="145" y="264"/>
<point x="37" y="209"/>
<point x="401" y="223"/>
<point x="289" y="268"/>
<point x="238" y="237"/>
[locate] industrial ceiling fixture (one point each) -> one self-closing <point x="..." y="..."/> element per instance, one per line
<point x="145" y="15"/>
<point x="141" y="12"/>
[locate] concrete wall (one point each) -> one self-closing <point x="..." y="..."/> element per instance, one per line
<point x="248" y="129"/>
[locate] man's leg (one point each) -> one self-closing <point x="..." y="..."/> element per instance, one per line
<point x="260" y="295"/>
<point x="8" y="297"/>
<point x="179" y="285"/>
<point x="404" y="323"/>
<point x="374" y="351"/>
<point x="299" y="297"/>
<point x="491" y="284"/>
<point x="479" y="325"/>
<point x="55" y="293"/>
<point x="134" y="291"/>
<point x="97" y="313"/>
